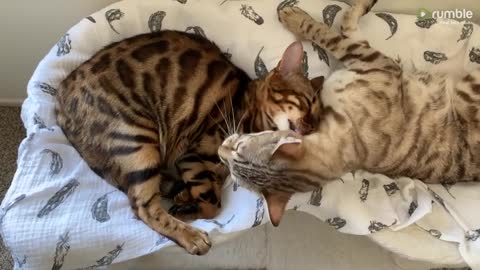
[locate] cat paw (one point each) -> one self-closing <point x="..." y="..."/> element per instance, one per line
<point x="294" y="18"/>
<point x="194" y="241"/>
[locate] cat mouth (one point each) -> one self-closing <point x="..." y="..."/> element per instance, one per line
<point x="299" y="127"/>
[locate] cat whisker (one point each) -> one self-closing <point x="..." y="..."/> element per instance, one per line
<point x="232" y="123"/>
<point x="220" y="126"/>
<point x="240" y="122"/>
<point x="233" y="111"/>
<point x="229" y="128"/>
<point x="225" y="133"/>
<point x="223" y="116"/>
<point x="317" y="92"/>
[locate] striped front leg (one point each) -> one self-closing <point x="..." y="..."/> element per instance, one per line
<point x="199" y="195"/>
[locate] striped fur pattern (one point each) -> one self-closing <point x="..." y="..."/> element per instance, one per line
<point x="148" y="114"/>
<point x="374" y="116"/>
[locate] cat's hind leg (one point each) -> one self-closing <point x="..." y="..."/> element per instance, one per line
<point x="352" y="16"/>
<point x="353" y="53"/>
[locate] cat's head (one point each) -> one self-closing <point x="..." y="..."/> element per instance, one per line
<point x="285" y="98"/>
<point x="272" y="163"/>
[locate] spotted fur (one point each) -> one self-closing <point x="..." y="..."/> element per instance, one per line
<point x="148" y="114"/>
<point x="375" y="116"/>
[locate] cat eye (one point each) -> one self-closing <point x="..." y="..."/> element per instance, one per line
<point x="237" y="145"/>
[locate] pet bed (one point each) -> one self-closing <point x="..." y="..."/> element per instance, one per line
<point x="58" y="214"/>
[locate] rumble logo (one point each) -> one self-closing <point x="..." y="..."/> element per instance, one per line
<point x="457" y="14"/>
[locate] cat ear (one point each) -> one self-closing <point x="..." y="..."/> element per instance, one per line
<point x="291" y="59"/>
<point x="290" y="147"/>
<point x="276" y="203"/>
<point x="317" y="83"/>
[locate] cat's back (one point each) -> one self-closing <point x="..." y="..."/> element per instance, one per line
<point x="146" y="72"/>
<point x="159" y="83"/>
<point x="152" y="53"/>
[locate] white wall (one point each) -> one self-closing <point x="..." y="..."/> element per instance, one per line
<point x="28" y="29"/>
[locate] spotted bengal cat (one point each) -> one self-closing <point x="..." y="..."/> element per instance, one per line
<point x="374" y="117"/>
<point x="148" y="114"/>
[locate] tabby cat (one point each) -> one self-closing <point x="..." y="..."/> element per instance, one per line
<point x="149" y="113"/>
<point x="374" y="117"/>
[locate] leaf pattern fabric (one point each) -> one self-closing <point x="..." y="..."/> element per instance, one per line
<point x="434" y="57"/>
<point x="196" y="30"/>
<point x="259" y="212"/>
<point x="467" y="31"/>
<point x="45" y="87"/>
<point x="90" y="18"/>
<point x="329" y="13"/>
<point x="376" y="226"/>
<point x="56" y="163"/>
<point x="426" y="23"/>
<point x="336" y="222"/>
<point x="322" y="54"/>
<point x="363" y="192"/>
<point x="316" y="197"/>
<point x="64" y="45"/>
<point x="474" y="55"/>
<point x="391" y="188"/>
<point x="37" y="120"/>
<point x="100" y="209"/>
<point x="113" y="15"/>
<point x="260" y="68"/>
<point x="61" y="251"/>
<point x="249" y="13"/>
<point x="155" y="21"/>
<point x="54" y="191"/>
<point x="391" y="22"/>
<point x="58" y="198"/>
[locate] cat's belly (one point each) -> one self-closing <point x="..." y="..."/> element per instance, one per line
<point x="333" y="86"/>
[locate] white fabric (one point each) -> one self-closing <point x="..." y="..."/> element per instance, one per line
<point x="58" y="214"/>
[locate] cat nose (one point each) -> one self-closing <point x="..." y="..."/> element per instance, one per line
<point x="224" y="153"/>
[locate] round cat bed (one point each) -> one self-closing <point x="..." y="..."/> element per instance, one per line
<point x="58" y="213"/>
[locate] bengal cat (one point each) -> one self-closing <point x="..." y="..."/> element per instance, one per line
<point x="374" y="117"/>
<point x="149" y="113"/>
